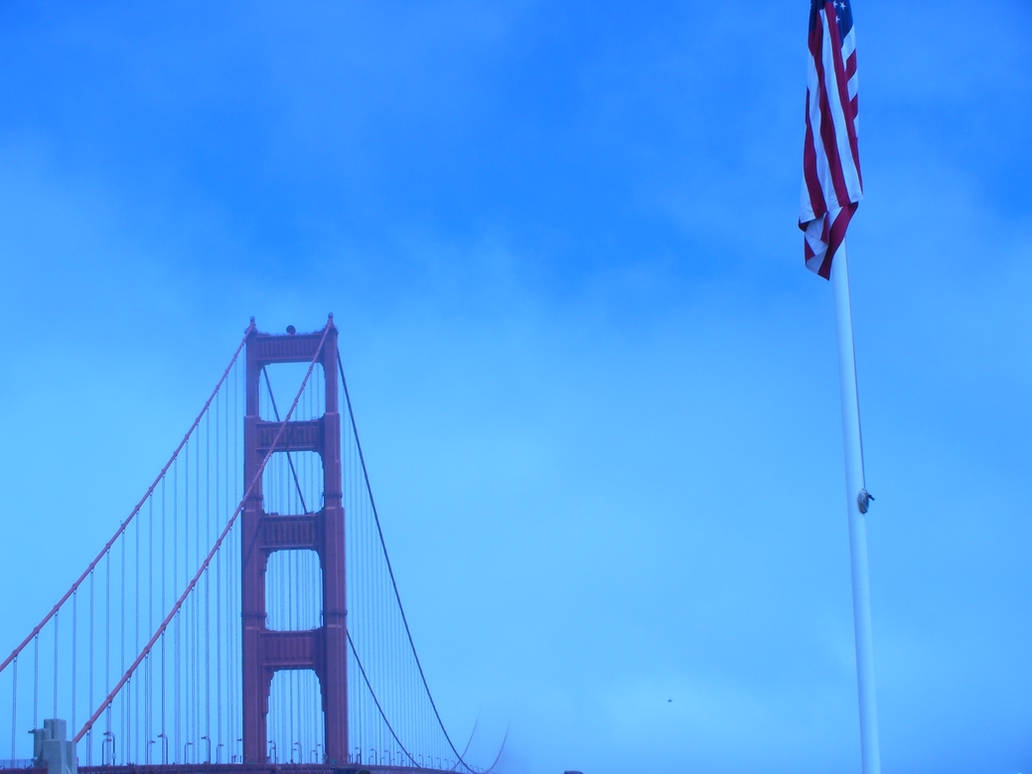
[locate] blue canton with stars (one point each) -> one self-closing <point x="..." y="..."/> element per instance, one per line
<point x="843" y="14"/>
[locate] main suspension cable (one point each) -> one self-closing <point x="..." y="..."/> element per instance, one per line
<point x="121" y="529"/>
<point x="218" y="543"/>
<point x="376" y="700"/>
<point x="394" y="584"/>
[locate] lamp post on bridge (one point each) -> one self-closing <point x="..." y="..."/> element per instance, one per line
<point x="164" y="747"/>
<point x="208" y="740"/>
<point x="109" y="736"/>
<point x="218" y="747"/>
<point x="186" y="756"/>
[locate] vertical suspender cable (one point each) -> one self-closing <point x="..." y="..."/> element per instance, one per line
<point x="238" y="462"/>
<point x="136" y="605"/>
<point x="318" y="733"/>
<point x="196" y="644"/>
<point x="136" y="596"/>
<point x="218" y="587"/>
<point x="232" y="625"/>
<point x="185" y="646"/>
<point x="364" y="606"/>
<point x="207" y="584"/>
<point x="370" y="621"/>
<point x="144" y="735"/>
<point x="56" y="615"/>
<point x="150" y="627"/>
<point x="175" y="627"/>
<point x="122" y="595"/>
<point x="303" y="587"/>
<point x="232" y="594"/>
<point x="396" y="674"/>
<point x="127" y="704"/>
<point x="93" y="665"/>
<point x="14" y="706"/>
<point x="75" y="629"/>
<point x="107" y="636"/>
<point x="356" y="606"/>
<point x="221" y="455"/>
<point x="362" y="613"/>
<point x="121" y="635"/>
<point x="233" y="574"/>
<point x="291" y="624"/>
<point x="163" y="731"/>
<point x="35" y="681"/>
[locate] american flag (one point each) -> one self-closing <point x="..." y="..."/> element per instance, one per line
<point x="832" y="187"/>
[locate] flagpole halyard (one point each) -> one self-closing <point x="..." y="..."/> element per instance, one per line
<point x="856" y="508"/>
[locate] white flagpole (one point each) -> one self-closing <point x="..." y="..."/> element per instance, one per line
<point x="857" y="501"/>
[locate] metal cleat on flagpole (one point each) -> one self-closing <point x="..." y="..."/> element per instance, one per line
<point x="864" y="500"/>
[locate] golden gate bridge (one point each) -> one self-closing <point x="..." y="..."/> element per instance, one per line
<point x="238" y="622"/>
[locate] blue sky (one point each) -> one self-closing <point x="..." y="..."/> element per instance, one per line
<point x="596" y="385"/>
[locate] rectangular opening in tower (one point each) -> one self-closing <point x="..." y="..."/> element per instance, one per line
<point x="292" y="483"/>
<point x="295" y="725"/>
<point x="278" y="384"/>
<point x="293" y="591"/>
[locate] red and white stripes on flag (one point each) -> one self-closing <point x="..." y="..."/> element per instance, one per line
<point x="832" y="186"/>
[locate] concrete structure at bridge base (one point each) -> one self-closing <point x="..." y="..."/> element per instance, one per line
<point x="52" y="748"/>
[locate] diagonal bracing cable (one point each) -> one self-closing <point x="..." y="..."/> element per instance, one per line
<point x="121" y="529"/>
<point x="290" y="460"/>
<point x="218" y="543"/>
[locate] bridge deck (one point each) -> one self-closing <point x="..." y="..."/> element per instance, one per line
<point x="240" y="768"/>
